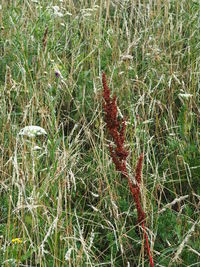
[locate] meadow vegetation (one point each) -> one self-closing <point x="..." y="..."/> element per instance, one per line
<point x="62" y="202"/>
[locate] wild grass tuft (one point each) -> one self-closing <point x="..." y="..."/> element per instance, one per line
<point x="60" y="195"/>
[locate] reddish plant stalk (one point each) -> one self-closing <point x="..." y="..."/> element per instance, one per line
<point x="116" y="129"/>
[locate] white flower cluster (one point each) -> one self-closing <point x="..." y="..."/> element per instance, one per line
<point x="32" y="131"/>
<point x="186" y="95"/>
<point x="57" y="12"/>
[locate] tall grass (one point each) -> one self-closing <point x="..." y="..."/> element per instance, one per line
<point x="60" y="195"/>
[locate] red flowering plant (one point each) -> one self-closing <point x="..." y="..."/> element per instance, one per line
<point x="116" y="129"/>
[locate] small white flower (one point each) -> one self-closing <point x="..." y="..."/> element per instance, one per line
<point x="57" y="12"/>
<point x="0" y="7"/>
<point x="32" y="131"/>
<point x="186" y="95"/>
<point x="56" y="8"/>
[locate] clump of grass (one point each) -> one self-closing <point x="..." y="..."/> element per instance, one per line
<point x="66" y="195"/>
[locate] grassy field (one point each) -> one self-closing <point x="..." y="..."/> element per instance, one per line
<point x="62" y="203"/>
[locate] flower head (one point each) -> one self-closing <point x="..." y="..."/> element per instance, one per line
<point x="57" y="73"/>
<point x="16" y="240"/>
<point x="118" y="153"/>
<point x="32" y="131"/>
<point x="57" y="12"/>
<point x="116" y="129"/>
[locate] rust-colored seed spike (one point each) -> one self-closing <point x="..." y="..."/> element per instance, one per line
<point x="116" y="129"/>
<point x="138" y="171"/>
<point x="119" y="154"/>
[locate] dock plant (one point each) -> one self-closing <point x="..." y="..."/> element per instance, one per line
<point x="119" y="153"/>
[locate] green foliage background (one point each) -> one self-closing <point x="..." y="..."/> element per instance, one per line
<point x="67" y="196"/>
